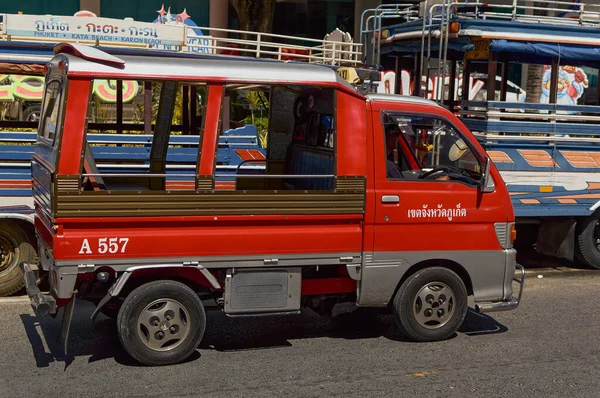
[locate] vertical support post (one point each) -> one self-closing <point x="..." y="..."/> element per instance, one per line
<point x="504" y="81"/>
<point x="119" y="106"/>
<point x="491" y="79"/>
<point x="185" y="111"/>
<point x="466" y="79"/>
<point x="417" y="75"/>
<point x="554" y="81"/>
<point x="193" y="107"/>
<point x="147" y="107"/>
<point x="398" y="73"/>
<point x="452" y="85"/>
<point x="226" y="108"/>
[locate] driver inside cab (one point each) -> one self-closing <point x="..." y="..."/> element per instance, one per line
<point x="392" y="135"/>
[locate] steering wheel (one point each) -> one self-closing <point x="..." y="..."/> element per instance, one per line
<point x="452" y="172"/>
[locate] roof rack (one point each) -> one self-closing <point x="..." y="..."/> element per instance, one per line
<point x="336" y="49"/>
<point x="556" y="12"/>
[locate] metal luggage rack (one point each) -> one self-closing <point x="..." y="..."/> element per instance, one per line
<point x="558" y="12"/>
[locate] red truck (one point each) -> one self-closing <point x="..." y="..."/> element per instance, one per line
<point x="366" y="201"/>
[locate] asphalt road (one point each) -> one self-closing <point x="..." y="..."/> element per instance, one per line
<point x="548" y="347"/>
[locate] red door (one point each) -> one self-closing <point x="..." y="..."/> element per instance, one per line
<point x="431" y="200"/>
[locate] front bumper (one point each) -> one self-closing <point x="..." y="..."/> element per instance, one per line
<point x="42" y="304"/>
<point x="509" y="304"/>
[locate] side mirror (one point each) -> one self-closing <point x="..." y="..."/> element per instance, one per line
<point x="486" y="184"/>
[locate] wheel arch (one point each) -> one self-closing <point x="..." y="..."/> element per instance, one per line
<point x="197" y="278"/>
<point x="436" y="262"/>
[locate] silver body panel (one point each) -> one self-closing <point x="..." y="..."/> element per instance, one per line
<point x="488" y="270"/>
<point x="377" y="274"/>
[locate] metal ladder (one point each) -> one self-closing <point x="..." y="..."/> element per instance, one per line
<point x="371" y="27"/>
<point x="430" y="20"/>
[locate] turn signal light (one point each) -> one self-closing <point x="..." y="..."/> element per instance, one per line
<point x="513" y="234"/>
<point x="454" y="27"/>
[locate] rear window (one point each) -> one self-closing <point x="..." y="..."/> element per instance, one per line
<point x="50" y="112"/>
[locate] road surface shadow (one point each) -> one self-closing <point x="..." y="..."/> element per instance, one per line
<point x="532" y="260"/>
<point x="98" y="340"/>
<point x="476" y="324"/>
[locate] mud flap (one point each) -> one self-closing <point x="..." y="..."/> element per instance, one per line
<point x="65" y="326"/>
<point x="101" y="304"/>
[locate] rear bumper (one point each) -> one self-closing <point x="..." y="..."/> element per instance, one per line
<point x="42" y="304"/>
<point x="506" y="305"/>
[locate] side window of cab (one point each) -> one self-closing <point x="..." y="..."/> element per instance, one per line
<point x="427" y="148"/>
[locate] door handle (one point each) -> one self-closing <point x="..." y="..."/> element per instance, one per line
<point x="390" y="199"/>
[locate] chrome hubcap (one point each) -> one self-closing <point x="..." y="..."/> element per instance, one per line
<point x="434" y="305"/>
<point x="163" y="324"/>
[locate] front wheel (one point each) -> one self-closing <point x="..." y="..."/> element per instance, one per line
<point x="431" y="304"/>
<point x="161" y="323"/>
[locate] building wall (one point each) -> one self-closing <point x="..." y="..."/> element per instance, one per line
<point x="146" y="10"/>
<point x="40" y="7"/>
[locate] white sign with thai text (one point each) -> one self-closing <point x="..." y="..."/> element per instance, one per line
<point x="105" y="30"/>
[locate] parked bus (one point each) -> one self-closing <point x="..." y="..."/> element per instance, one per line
<point x="545" y="136"/>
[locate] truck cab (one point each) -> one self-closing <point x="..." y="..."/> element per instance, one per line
<point x="359" y="201"/>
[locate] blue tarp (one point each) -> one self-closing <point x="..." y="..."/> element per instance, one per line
<point x="547" y="50"/>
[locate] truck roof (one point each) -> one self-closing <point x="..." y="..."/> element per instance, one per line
<point x="402" y="98"/>
<point x="90" y="61"/>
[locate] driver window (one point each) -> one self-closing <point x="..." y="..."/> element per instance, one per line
<point x="427" y="148"/>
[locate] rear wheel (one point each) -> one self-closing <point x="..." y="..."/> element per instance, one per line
<point x="32" y="113"/>
<point x="588" y="240"/>
<point x="15" y="247"/>
<point x="431" y="304"/>
<point x="161" y="323"/>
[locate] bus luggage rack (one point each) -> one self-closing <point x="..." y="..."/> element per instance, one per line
<point x="336" y="49"/>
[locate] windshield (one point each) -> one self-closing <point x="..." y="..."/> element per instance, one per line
<point x="50" y="112"/>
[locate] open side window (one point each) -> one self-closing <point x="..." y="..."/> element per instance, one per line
<point x="143" y="135"/>
<point x="289" y="138"/>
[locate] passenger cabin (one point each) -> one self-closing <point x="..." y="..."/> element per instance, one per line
<point x="297" y="110"/>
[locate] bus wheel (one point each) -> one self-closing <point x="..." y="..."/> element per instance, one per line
<point x="588" y="240"/>
<point x="431" y="304"/>
<point x="15" y="247"/>
<point x="161" y="323"/>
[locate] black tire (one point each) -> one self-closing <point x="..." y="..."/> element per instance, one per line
<point x="15" y="247"/>
<point x="143" y="296"/>
<point x="589" y="253"/>
<point x="32" y="113"/>
<point x="404" y="305"/>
